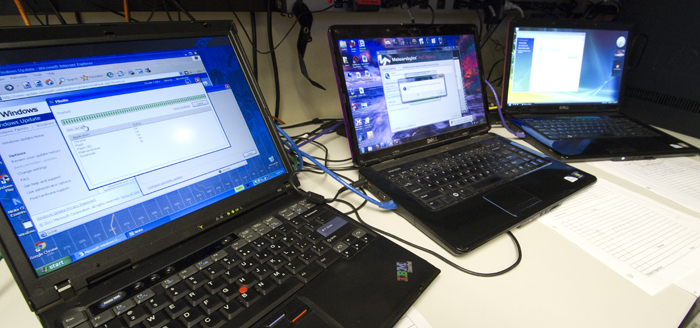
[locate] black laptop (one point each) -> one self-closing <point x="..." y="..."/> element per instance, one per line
<point x="562" y="86"/>
<point x="144" y="185"/>
<point x="415" y="110"/>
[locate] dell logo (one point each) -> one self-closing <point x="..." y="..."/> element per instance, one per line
<point x="433" y="139"/>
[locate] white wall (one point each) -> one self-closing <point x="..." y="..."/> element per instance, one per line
<point x="300" y="101"/>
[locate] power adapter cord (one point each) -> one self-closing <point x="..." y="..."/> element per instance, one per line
<point x="500" y="112"/>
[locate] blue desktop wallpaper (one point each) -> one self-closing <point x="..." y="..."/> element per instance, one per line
<point x="601" y="70"/>
<point x="370" y="106"/>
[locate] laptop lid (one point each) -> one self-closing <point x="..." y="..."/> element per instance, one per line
<point x="407" y="88"/>
<point x="560" y="66"/>
<point x="119" y="141"/>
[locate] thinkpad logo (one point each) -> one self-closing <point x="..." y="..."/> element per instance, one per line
<point x="403" y="269"/>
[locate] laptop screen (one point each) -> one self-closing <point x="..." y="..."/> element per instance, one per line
<point x="98" y="149"/>
<point x="408" y="88"/>
<point x="558" y="66"/>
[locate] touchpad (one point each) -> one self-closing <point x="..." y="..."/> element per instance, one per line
<point x="511" y="199"/>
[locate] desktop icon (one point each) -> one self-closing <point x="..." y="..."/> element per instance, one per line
<point x="362" y="90"/>
<point x="387" y="76"/>
<point x="345" y="60"/>
<point x="352" y="43"/>
<point x="49" y="82"/>
<point x="366" y="120"/>
<point x="358" y="74"/>
<point x="355" y="59"/>
<point x="39" y="246"/>
<point x="362" y="43"/>
<point x="414" y="41"/>
<point x="354" y="106"/>
<point x="367" y="74"/>
<point x="370" y="134"/>
<point x="395" y="42"/>
<point x="387" y="42"/>
<point x="364" y="58"/>
<point x="402" y="42"/>
<point x="358" y="122"/>
<point x="27" y="85"/>
<point x="349" y="75"/>
<point x="440" y="40"/>
<point x="420" y="40"/>
<point x="343" y="45"/>
<point x="4" y="178"/>
<point x="433" y="40"/>
<point x="9" y="87"/>
<point x="27" y="224"/>
<point x="38" y="83"/>
<point x="120" y="73"/>
<point x="363" y="105"/>
<point x="369" y="149"/>
<point x="352" y="91"/>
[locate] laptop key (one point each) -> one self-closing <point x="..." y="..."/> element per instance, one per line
<point x="102" y="318"/>
<point x="122" y="307"/>
<point x="231" y="309"/>
<point x="157" y="320"/>
<point x="214" y="320"/>
<point x="192" y="317"/>
<point x="211" y="304"/>
<point x="175" y="292"/>
<point x="157" y="303"/>
<point x="73" y="320"/>
<point x="174" y="310"/>
<point x="135" y="316"/>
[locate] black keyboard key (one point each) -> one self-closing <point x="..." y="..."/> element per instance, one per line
<point x="192" y="317"/>
<point x="276" y="248"/>
<point x="214" y="270"/>
<point x="277" y="262"/>
<point x="211" y="304"/>
<point x="327" y="259"/>
<point x="231" y="309"/>
<point x="102" y="318"/>
<point x="74" y="319"/>
<point x="248" y="297"/>
<point x="215" y="285"/>
<point x="247" y="266"/>
<point x="290" y="253"/>
<point x="289" y="240"/>
<point x="157" y="320"/>
<point x="309" y="272"/>
<point x="261" y="272"/>
<point x="229" y="262"/>
<point x="116" y="323"/>
<point x="307" y="257"/>
<point x="177" y="308"/>
<point x="245" y="252"/>
<point x="196" y="297"/>
<point x="230" y="276"/>
<point x="260" y="244"/>
<point x="122" y="307"/>
<point x="197" y="280"/>
<point x="264" y="286"/>
<point x="135" y="316"/>
<point x="215" y="320"/>
<point x="319" y="249"/>
<point x="303" y="245"/>
<point x="280" y="276"/>
<point x="262" y="256"/>
<point x="157" y="303"/>
<point x="295" y="266"/>
<point x="229" y="293"/>
<point x="247" y="280"/>
<point x="177" y="291"/>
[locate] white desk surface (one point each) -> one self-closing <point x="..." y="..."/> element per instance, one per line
<point x="557" y="284"/>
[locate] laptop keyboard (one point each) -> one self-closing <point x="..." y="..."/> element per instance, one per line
<point x="587" y="128"/>
<point x="448" y="178"/>
<point x="263" y="265"/>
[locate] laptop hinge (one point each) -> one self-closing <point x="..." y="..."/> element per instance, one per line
<point x="371" y="162"/>
<point x="65" y="290"/>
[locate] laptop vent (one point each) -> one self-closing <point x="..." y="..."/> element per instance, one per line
<point x="684" y="104"/>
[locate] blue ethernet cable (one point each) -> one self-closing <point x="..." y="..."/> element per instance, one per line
<point x="291" y="145"/>
<point x="500" y="112"/>
<point x="390" y="205"/>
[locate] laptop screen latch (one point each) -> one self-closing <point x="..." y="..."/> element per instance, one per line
<point x="65" y="290"/>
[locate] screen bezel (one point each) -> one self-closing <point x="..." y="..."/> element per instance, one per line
<point x="573" y="24"/>
<point x="40" y="291"/>
<point x="338" y="32"/>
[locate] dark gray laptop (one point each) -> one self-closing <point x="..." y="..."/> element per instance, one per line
<point x="415" y="111"/>
<point x="144" y="185"/>
<point x="563" y="87"/>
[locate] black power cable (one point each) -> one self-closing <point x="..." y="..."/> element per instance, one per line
<point x="254" y="32"/>
<point x="274" y="58"/>
<point x="55" y="10"/>
<point x="179" y="7"/>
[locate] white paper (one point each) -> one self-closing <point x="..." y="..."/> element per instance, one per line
<point x="646" y="242"/>
<point x="412" y="319"/>
<point x="677" y="179"/>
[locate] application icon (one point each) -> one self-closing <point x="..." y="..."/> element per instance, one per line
<point x="9" y="87"/>
<point x="343" y="45"/>
<point x="132" y="72"/>
<point x="369" y="149"/>
<point x="27" y="85"/>
<point x="345" y="60"/>
<point x="433" y="40"/>
<point x="358" y="122"/>
<point x="148" y="70"/>
<point x="395" y="42"/>
<point x="376" y="146"/>
<point x="440" y="40"/>
<point x="414" y="41"/>
<point x="49" y="82"/>
<point x="364" y="58"/>
<point x="354" y="106"/>
<point x="61" y="80"/>
<point x="38" y="83"/>
<point x="183" y="72"/>
<point x="387" y="76"/>
<point x="352" y="91"/>
<point x="367" y="74"/>
<point x="362" y="43"/>
<point x="27" y="224"/>
<point x="84" y="77"/>
<point x="139" y="71"/>
<point x="40" y="246"/>
<point x="420" y="40"/>
<point x="363" y="105"/>
<point x="402" y="42"/>
<point x="349" y="75"/>
<point x="387" y="42"/>
<point x="196" y="79"/>
<point x="110" y="74"/>
<point x="362" y="150"/>
<point x="120" y="73"/>
<point x="370" y="134"/>
<point x="358" y="74"/>
<point x="352" y="43"/>
<point x="383" y="145"/>
<point x="397" y="141"/>
<point x="355" y="59"/>
<point x="366" y="118"/>
<point x="362" y="90"/>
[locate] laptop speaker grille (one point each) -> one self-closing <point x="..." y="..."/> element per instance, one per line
<point x="659" y="98"/>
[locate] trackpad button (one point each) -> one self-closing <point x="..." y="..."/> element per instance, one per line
<point x="511" y="199"/>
